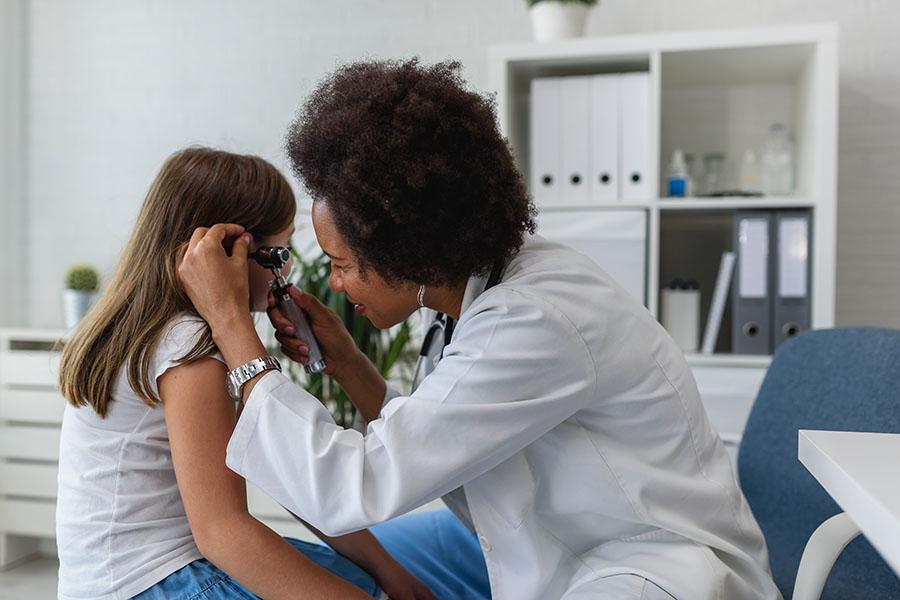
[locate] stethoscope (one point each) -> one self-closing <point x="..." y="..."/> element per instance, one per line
<point x="441" y="328"/>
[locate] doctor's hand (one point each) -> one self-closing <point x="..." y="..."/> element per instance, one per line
<point x="216" y="283"/>
<point x="337" y="345"/>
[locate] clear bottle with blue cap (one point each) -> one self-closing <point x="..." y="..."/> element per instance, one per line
<point x="678" y="175"/>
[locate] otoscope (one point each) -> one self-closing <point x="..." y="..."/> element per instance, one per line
<point x="275" y="257"/>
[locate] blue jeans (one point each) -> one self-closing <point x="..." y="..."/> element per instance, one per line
<point x="203" y="580"/>
<point x="433" y="546"/>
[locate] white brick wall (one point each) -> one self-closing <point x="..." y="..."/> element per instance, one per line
<point x="115" y="85"/>
<point x="12" y="139"/>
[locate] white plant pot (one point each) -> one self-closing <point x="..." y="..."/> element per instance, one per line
<point x="76" y="303"/>
<point x="552" y="20"/>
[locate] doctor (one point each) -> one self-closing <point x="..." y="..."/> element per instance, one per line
<point x="562" y="423"/>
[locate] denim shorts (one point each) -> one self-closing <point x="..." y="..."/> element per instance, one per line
<point x="203" y="580"/>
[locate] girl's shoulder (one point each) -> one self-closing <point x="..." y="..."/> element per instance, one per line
<point x="176" y="342"/>
<point x="182" y="332"/>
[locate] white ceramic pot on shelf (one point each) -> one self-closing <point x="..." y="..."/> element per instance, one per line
<point x="552" y="20"/>
<point x="76" y="304"/>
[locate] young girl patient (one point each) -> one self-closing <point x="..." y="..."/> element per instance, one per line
<point x="147" y="507"/>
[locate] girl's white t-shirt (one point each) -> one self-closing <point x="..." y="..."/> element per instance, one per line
<point x="120" y="523"/>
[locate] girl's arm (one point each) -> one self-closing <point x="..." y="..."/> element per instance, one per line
<point x="200" y="418"/>
<point x="366" y="551"/>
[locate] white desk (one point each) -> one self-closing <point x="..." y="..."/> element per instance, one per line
<point x="861" y="471"/>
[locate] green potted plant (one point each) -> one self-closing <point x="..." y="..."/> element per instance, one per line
<point x="391" y="351"/>
<point x="81" y="285"/>
<point x="558" y="19"/>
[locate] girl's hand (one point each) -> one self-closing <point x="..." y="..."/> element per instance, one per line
<point x="337" y="345"/>
<point x="400" y="584"/>
<point x="216" y="283"/>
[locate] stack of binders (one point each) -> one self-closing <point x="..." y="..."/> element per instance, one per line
<point x="771" y="295"/>
<point x="590" y="139"/>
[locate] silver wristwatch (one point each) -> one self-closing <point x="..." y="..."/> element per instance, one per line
<point x="247" y="371"/>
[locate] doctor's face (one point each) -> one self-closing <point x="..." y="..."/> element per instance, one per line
<point x="383" y="304"/>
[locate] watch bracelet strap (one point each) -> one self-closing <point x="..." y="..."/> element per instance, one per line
<point x="250" y="369"/>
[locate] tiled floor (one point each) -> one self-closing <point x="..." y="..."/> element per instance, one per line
<point x="33" y="580"/>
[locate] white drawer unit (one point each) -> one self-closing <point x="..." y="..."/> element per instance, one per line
<point x="30" y="367"/>
<point x="29" y="443"/>
<point x="26" y="519"/>
<point x="31" y="410"/>
<point x="31" y="406"/>
<point x="29" y="480"/>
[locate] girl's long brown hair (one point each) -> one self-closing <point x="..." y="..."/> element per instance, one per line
<point x="196" y="187"/>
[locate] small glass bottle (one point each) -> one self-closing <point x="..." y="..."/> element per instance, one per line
<point x="678" y="175"/>
<point x="696" y="176"/>
<point x="713" y="166"/>
<point x="778" y="162"/>
<point x="748" y="181"/>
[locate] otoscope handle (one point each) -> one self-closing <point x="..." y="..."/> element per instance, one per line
<point x="302" y="330"/>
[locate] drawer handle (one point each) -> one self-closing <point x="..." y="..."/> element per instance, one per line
<point x="34" y="346"/>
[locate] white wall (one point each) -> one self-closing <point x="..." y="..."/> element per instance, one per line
<point x="116" y="85"/>
<point x="12" y="165"/>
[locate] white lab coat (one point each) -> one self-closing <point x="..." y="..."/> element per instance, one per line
<point x="573" y="424"/>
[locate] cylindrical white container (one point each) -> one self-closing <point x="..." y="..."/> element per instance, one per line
<point x="551" y="20"/>
<point x="680" y="315"/>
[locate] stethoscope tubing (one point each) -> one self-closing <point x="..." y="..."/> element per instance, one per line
<point x="444" y="323"/>
<point x="439" y="324"/>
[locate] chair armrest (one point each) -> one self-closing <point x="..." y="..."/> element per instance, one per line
<point x="824" y="546"/>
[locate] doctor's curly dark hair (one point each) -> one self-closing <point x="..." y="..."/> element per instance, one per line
<point x="413" y="169"/>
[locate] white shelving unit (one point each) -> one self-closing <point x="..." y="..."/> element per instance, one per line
<point x="710" y="91"/>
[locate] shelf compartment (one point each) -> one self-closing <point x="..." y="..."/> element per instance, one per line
<point x="518" y="70"/>
<point x="690" y="247"/>
<point x="724" y="101"/>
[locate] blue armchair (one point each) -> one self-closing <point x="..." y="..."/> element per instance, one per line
<point x="837" y="379"/>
